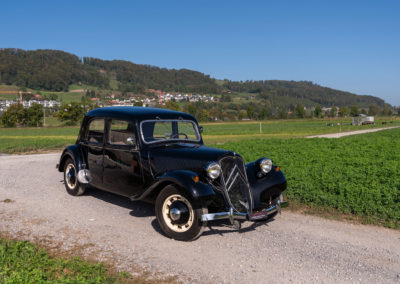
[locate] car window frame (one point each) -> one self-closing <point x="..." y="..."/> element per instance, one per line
<point x="126" y="146"/>
<point x="170" y="140"/>
<point x="86" y="134"/>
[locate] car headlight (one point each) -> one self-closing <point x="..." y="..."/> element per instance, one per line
<point x="213" y="170"/>
<point x="265" y="165"/>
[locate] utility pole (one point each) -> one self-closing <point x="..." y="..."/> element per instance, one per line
<point x="44" y="116"/>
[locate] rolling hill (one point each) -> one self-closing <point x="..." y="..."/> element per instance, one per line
<point x="55" y="70"/>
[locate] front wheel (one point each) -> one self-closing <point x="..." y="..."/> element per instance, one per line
<point x="177" y="215"/>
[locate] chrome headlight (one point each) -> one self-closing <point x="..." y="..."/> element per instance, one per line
<point x="213" y="170"/>
<point x="265" y="165"/>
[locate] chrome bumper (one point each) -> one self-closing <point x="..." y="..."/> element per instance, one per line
<point x="232" y="215"/>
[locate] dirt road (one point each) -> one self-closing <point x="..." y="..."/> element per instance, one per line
<point x="292" y="248"/>
<point x="342" y="134"/>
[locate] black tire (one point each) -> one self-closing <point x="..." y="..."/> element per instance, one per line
<point x="187" y="231"/>
<point x="71" y="182"/>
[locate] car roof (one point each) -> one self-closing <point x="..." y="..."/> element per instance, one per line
<point x="138" y="113"/>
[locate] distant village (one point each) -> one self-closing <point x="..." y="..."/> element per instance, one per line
<point x="156" y="97"/>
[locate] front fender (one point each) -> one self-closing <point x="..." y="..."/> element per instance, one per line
<point x="185" y="180"/>
<point x="73" y="152"/>
<point x="271" y="184"/>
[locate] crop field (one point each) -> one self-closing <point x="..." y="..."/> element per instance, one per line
<point x="356" y="175"/>
<point x="223" y="132"/>
<point x="19" y="140"/>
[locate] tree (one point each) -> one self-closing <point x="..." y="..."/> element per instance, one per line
<point x="387" y="110"/>
<point x="250" y="112"/>
<point x="34" y="115"/>
<point x="333" y="112"/>
<point x="354" y="111"/>
<point x="14" y="115"/>
<point x="172" y="106"/>
<point x="344" y="111"/>
<point x="300" y="112"/>
<point x="204" y="115"/>
<point x="226" y="98"/>
<point x="242" y="114"/>
<point x="374" y="109"/>
<point x="317" y="111"/>
<point x="53" y="97"/>
<point x="71" y="113"/>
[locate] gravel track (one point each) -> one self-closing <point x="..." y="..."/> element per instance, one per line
<point x="348" y="133"/>
<point x="292" y="248"/>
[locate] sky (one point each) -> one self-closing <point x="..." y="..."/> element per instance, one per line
<point x="347" y="45"/>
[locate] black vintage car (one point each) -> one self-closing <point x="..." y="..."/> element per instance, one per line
<point x="158" y="155"/>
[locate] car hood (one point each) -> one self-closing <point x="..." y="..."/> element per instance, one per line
<point x="181" y="156"/>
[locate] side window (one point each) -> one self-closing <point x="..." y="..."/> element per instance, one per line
<point x="120" y="131"/>
<point x="95" y="131"/>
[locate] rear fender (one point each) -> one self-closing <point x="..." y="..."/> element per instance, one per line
<point x="73" y="152"/>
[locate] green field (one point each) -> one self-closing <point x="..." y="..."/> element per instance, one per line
<point x="356" y="175"/>
<point x="19" y="140"/>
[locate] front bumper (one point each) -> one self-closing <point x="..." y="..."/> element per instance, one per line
<point x="232" y="215"/>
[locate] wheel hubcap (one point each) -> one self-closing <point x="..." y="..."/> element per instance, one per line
<point x="178" y="213"/>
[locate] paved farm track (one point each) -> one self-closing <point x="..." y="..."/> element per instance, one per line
<point x="292" y="248"/>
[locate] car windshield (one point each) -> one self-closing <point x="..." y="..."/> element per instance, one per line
<point x="169" y="130"/>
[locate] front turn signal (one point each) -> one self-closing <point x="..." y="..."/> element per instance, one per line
<point x="277" y="168"/>
<point x="196" y="179"/>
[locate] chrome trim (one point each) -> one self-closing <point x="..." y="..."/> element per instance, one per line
<point x="243" y="176"/>
<point x="233" y="215"/>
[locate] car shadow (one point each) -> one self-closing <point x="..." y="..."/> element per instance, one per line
<point x="222" y="227"/>
<point x="144" y="209"/>
<point x="138" y="208"/>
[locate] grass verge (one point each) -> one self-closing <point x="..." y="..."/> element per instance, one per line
<point x="24" y="262"/>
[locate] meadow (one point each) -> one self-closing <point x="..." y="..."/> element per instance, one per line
<point x="20" y="140"/>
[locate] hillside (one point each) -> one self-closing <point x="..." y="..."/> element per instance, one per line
<point x="55" y="70"/>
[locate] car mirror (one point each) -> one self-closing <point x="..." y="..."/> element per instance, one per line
<point x="130" y="141"/>
<point x="201" y="129"/>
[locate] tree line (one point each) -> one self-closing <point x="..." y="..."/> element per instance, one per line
<point x="56" y="70"/>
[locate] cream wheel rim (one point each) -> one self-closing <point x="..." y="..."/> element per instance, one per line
<point x="167" y="214"/>
<point x="70" y="177"/>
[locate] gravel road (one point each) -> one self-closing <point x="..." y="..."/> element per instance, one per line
<point x="348" y="133"/>
<point x="292" y="248"/>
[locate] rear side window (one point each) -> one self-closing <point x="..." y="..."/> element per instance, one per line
<point x="120" y="131"/>
<point x="95" y="131"/>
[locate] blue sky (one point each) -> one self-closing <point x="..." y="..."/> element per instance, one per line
<point x="347" y="45"/>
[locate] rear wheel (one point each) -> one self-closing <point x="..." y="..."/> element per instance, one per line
<point x="178" y="216"/>
<point x="71" y="182"/>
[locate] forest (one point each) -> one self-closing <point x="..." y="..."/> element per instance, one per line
<point x="54" y="70"/>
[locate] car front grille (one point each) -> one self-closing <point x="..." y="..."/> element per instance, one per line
<point x="235" y="184"/>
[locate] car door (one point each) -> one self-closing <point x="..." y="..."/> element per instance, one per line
<point x="92" y="145"/>
<point x="122" y="167"/>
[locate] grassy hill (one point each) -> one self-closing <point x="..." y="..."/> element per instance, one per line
<point x="58" y="71"/>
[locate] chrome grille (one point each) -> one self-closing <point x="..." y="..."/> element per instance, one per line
<point x="236" y="188"/>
